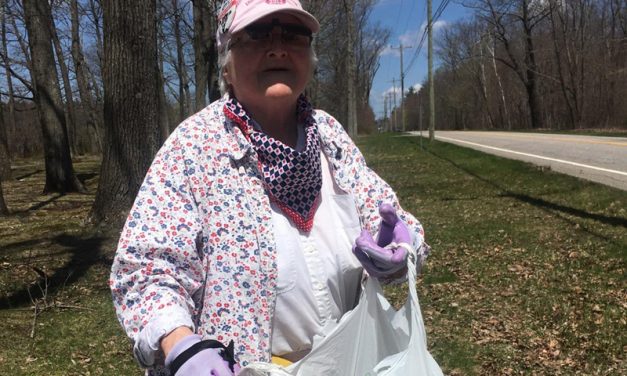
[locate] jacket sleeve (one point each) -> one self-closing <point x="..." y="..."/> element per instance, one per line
<point x="157" y="268"/>
<point x="370" y="190"/>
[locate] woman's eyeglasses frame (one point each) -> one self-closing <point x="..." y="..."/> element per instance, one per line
<point x="261" y="36"/>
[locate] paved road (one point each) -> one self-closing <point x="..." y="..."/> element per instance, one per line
<point x="600" y="159"/>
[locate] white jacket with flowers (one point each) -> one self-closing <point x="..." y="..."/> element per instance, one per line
<point x="198" y="246"/>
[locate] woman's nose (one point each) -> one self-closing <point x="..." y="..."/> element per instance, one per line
<point x="277" y="47"/>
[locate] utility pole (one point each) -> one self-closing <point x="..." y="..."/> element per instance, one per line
<point x="390" y="110"/>
<point x="395" y="126"/>
<point x="400" y="48"/>
<point x="431" y="83"/>
<point x="385" y="112"/>
<point x="420" y="116"/>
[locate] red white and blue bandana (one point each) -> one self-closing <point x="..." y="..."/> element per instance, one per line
<point x="292" y="178"/>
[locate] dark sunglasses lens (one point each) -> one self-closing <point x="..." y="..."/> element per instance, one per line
<point x="296" y="29"/>
<point x="259" y="31"/>
<point x="295" y="35"/>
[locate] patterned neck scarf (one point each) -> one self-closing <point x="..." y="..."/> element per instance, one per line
<point x="292" y="178"/>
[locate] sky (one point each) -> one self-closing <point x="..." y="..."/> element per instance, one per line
<point x="407" y="20"/>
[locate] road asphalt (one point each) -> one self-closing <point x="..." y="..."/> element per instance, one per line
<point x="599" y="159"/>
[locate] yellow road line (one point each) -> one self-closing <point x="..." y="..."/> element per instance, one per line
<point x="550" y="138"/>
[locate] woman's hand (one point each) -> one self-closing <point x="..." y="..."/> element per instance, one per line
<point x="387" y="257"/>
<point x="191" y="356"/>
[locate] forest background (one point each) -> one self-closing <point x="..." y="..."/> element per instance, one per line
<point x="513" y="65"/>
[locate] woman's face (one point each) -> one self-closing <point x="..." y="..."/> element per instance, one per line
<point x="261" y="72"/>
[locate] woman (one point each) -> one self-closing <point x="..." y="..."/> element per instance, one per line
<point x="244" y="239"/>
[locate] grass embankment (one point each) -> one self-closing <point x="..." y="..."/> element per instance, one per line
<point x="527" y="273"/>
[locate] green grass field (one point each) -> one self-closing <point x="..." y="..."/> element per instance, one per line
<point x="527" y="274"/>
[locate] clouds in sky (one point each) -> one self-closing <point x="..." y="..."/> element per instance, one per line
<point x="391" y="90"/>
<point x="397" y="90"/>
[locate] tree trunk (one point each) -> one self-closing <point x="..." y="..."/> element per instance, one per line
<point x="350" y="69"/>
<point x="164" y="116"/>
<point x="181" y="69"/>
<point x="17" y="32"/>
<point x="558" y="50"/>
<point x="3" y="206"/>
<point x="531" y="85"/>
<point x="483" y="85"/>
<point x="5" y="158"/>
<point x="96" y="12"/>
<point x="70" y="114"/>
<point x="87" y="104"/>
<point x="131" y="104"/>
<point x="204" y="53"/>
<point x="10" y="123"/>
<point x="503" y="103"/>
<point x="59" y="171"/>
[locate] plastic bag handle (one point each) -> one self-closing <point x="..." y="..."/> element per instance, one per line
<point x="411" y="279"/>
<point x="419" y="331"/>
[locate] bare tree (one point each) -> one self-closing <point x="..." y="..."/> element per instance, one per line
<point x="87" y="104"/>
<point x="5" y="160"/>
<point x="580" y="53"/>
<point x="14" y="67"/>
<point x="181" y="68"/>
<point x="165" y="122"/>
<point x="5" y="157"/>
<point x="3" y="206"/>
<point x="505" y="118"/>
<point x="351" y="110"/>
<point x="131" y="104"/>
<point x="164" y="116"/>
<point x="60" y="175"/>
<point x="94" y="13"/>
<point x="70" y="113"/>
<point x="461" y="49"/>
<point x="7" y="71"/>
<point x="330" y="87"/>
<point x="528" y="14"/>
<point x="205" y="52"/>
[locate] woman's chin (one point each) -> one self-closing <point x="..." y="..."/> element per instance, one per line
<point x="280" y="90"/>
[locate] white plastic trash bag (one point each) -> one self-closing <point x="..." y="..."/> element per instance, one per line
<point x="372" y="339"/>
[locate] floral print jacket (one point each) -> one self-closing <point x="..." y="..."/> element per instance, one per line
<point x="198" y="249"/>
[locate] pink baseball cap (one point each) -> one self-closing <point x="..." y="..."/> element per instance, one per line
<point x="235" y="15"/>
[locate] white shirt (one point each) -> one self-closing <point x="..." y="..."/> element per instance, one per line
<point x="318" y="275"/>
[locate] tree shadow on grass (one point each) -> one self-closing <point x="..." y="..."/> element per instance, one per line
<point x="86" y="176"/>
<point x="85" y="253"/>
<point x="539" y="202"/>
<point x="27" y="175"/>
<point x="40" y="205"/>
<point x="613" y="221"/>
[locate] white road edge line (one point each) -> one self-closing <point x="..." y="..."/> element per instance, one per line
<point x="535" y="156"/>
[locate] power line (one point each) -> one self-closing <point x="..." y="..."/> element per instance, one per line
<point x="409" y="15"/>
<point x="436" y="15"/>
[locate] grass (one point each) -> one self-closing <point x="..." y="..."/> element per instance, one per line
<point x="51" y="259"/>
<point x="527" y="274"/>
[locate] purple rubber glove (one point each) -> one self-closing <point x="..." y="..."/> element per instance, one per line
<point x="206" y="362"/>
<point x="387" y="256"/>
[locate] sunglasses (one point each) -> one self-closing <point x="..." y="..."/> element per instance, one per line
<point x="261" y="35"/>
